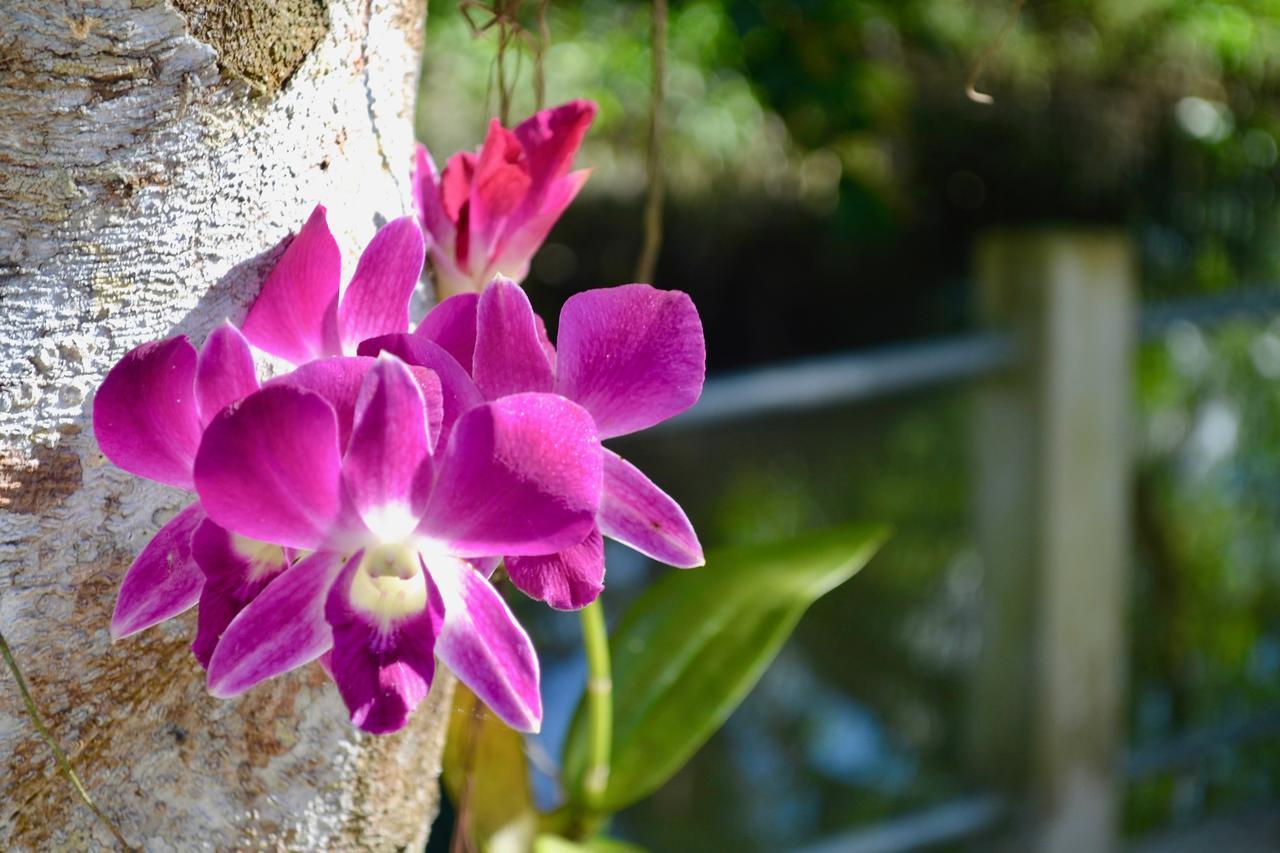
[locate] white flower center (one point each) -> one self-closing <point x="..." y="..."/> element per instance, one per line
<point x="389" y="584"/>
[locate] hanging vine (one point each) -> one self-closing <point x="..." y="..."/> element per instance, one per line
<point x="652" y="240"/>
<point x="503" y="17"/>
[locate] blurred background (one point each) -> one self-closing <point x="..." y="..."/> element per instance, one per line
<point x="827" y="182"/>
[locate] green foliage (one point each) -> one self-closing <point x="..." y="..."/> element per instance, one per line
<point x="1208" y="586"/>
<point x="487" y="778"/>
<point x="556" y="844"/>
<point x="688" y="651"/>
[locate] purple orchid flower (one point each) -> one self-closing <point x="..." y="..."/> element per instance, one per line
<point x="148" y="417"/>
<point x="393" y="505"/>
<point x="488" y="212"/>
<point x="298" y="315"/>
<point x="632" y="356"/>
<point x="153" y="406"/>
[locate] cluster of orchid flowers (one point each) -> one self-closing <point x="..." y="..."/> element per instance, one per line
<point x="352" y="510"/>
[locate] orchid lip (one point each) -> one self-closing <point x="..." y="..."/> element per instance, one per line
<point x="389" y="584"/>
<point x="263" y="557"/>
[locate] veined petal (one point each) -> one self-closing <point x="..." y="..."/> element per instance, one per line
<point x="452" y="325"/>
<point x="224" y="371"/>
<point x="457" y="392"/>
<point x="280" y="630"/>
<point x="635" y="512"/>
<point x="567" y="580"/>
<point x="521" y="475"/>
<point x="633" y="356"/>
<point x="295" y="315"/>
<point x="388" y="445"/>
<point x="384" y="636"/>
<point x="509" y="357"/>
<point x="376" y="302"/>
<point x="485" y="646"/>
<point x="235" y="571"/>
<point x="145" y="416"/>
<point x="268" y="468"/>
<point x="163" y="581"/>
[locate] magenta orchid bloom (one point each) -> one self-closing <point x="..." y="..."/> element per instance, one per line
<point x="298" y="315"/>
<point x="395" y="483"/>
<point x="632" y="356"/>
<point x="488" y="212"/>
<point x="148" y="417"/>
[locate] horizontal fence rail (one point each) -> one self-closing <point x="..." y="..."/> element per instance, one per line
<point x="866" y="375"/>
<point x="948" y="823"/>
<point x="848" y="378"/>
<point x="1242" y="304"/>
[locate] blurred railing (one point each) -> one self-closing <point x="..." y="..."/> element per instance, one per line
<point x="1053" y="393"/>
<point x="866" y="375"/>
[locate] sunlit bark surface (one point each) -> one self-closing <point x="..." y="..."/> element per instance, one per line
<point x="152" y="157"/>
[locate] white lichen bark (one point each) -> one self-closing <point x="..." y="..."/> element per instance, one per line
<point x="153" y="154"/>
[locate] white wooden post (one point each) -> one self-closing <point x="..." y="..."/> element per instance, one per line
<point x="1052" y="474"/>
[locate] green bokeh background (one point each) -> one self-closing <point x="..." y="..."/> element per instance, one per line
<point x="826" y="179"/>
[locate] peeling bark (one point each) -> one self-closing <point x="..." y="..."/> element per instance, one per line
<point x="153" y="155"/>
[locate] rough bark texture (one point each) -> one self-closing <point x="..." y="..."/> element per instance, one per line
<point x="153" y="155"/>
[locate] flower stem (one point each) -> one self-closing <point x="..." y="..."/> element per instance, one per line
<point x="599" y="703"/>
<point x="58" y="754"/>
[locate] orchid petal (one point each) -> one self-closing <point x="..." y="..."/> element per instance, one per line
<point x="426" y="194"/>
<point x="163" y="581"/>
<point x="455" y="183"/>
<point x="633" y="356"/>
<point x="376" y="302"/>
<point x="567" y="580"/>
<point x="295" y="314"/>
<point x="388" y="444"/>
<point x="224" y="371"/>
<point x="235" y="571"/>
<point x="498" y="187"/>
<point x="382" y="670"/>
<point x="281" y="629"/>
<point x="144" y="414"/>
<point x="521" y="475"/>
<point x="486" y="647"/>
<point x="515" y="248"/>
<point x="550" y="138"/>
<point x="452" y="325"/>
<point x="509" y="356"/>
<point x="338" y="380"/>
<point x="457" y="392"/>
<point x="269" y="468"/>
<point x="635" y="512"/>
<point x="449" y="278"/>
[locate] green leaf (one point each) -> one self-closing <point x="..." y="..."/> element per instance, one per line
<point x="556" y="844"/>
<point x="487" y="777"/>
<point x="691" y="648"/>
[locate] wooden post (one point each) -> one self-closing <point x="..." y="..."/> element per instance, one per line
<point x="1052" y="474"/>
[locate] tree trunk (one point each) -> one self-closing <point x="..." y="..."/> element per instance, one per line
<point x="153" y="154"/>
